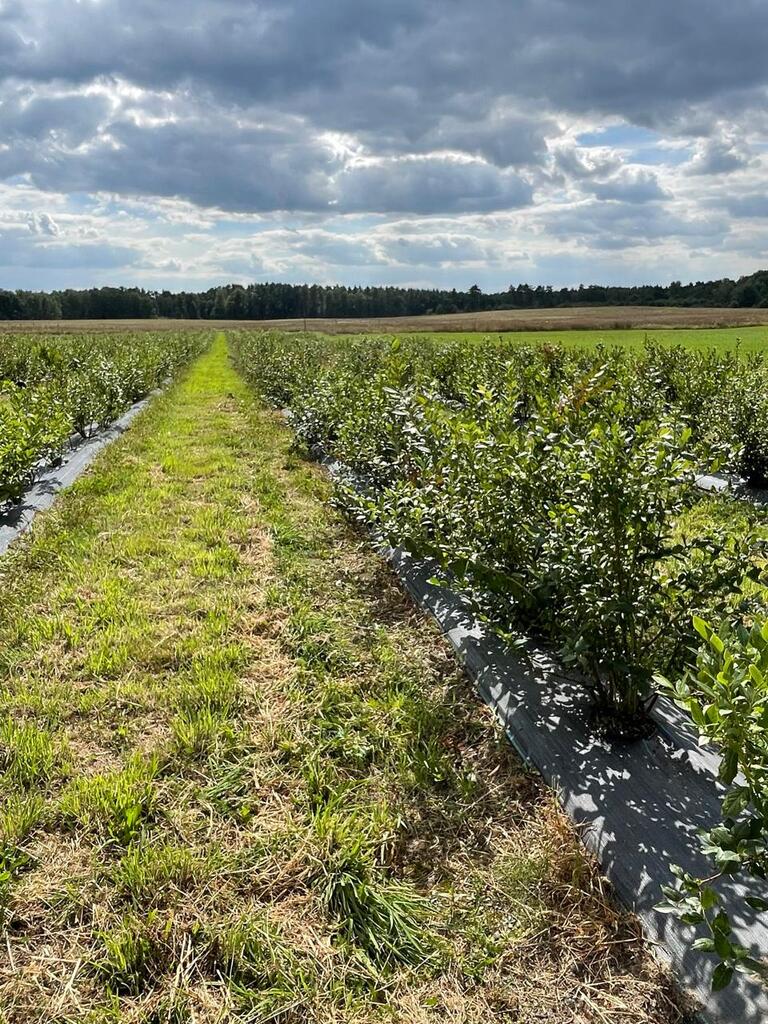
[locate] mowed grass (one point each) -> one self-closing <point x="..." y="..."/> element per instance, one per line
<point x="745" y="339"/>
<point x="242" y="780"/>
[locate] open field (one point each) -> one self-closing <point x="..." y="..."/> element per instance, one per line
<point x="745" y="339"/>
<point x="242" y="779"/>
<point x="587" y="318"/>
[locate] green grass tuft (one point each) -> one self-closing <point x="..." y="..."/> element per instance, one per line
<point x="29" y="756"/>
<point x="117" y="806"/>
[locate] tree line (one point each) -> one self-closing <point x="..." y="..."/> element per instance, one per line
<point x="268" y="301"/>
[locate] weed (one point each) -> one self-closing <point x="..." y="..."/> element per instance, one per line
<point x="28" y="755"/>
<point x="134" y="953"/>
<point x="148" y="874"/>
<point x="263" y="971"/>
<point x="19" y="814"/>
<point x="219" y="691"/>
<point x="230" y="790"/>
<point x="116" y="806"/>
<point x="201" y="732"/>
<point x="381" y="916"/>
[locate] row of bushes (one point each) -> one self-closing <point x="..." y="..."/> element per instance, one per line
<point x="551" y="483"/>
<point x="721" y="396"/>
<point x="51" y="388"/>
<point x="556" y="486"/>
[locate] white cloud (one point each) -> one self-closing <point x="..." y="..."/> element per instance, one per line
<point x="42" y="224"/>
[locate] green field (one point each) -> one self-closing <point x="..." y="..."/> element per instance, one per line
<point x="748" y="339"/>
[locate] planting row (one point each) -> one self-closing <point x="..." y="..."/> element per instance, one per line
<point x="555" y="486"/>
<point x="51" y="388"/>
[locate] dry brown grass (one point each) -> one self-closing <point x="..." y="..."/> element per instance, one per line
<point x="570" y="318"/>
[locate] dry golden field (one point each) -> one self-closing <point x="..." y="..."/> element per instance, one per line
<point x="586" y="318"/>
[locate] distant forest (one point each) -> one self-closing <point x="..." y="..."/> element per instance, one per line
<point x="279" y="301"/>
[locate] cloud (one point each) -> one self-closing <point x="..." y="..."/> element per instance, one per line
<point x="209" y="163"/>
<point x="430" y="185"/>
<point x="637" y="187"/>
<point x="751" y="205"/>
<point x="257" y="169"/>
<point x="573" y="162"/>
<point x="325" y="246"/>
<point x="42" y="224"/>
<point x="624" y="225"/>
<point x="581" y="56"/>
<point x="32" y="116"/>
<point x="434" y="250"/>
<point x="187" y="142"/>
<point x="18" y="250"/>
<point x="719" y="156"/>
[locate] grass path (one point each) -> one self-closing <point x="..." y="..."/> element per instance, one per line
<point x="242" y="779"/>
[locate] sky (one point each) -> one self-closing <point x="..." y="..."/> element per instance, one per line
<point x="414" y="142"/>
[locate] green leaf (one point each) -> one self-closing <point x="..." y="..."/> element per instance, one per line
<point x="697" y="714"/>
<point x="756" y="675"/>
<point x="709" y="898"/>
<point x="728" y="860"/>
<point x="729" y="766"/>
<point x="704" y="945"/>
<point x="721" y="977"/>
<point x="723" y="947"/>
<point x="692" y="917"/>
<point x="701" y="627"/>
<point x="735" y="801"/>
<point x="721" y="925"/>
